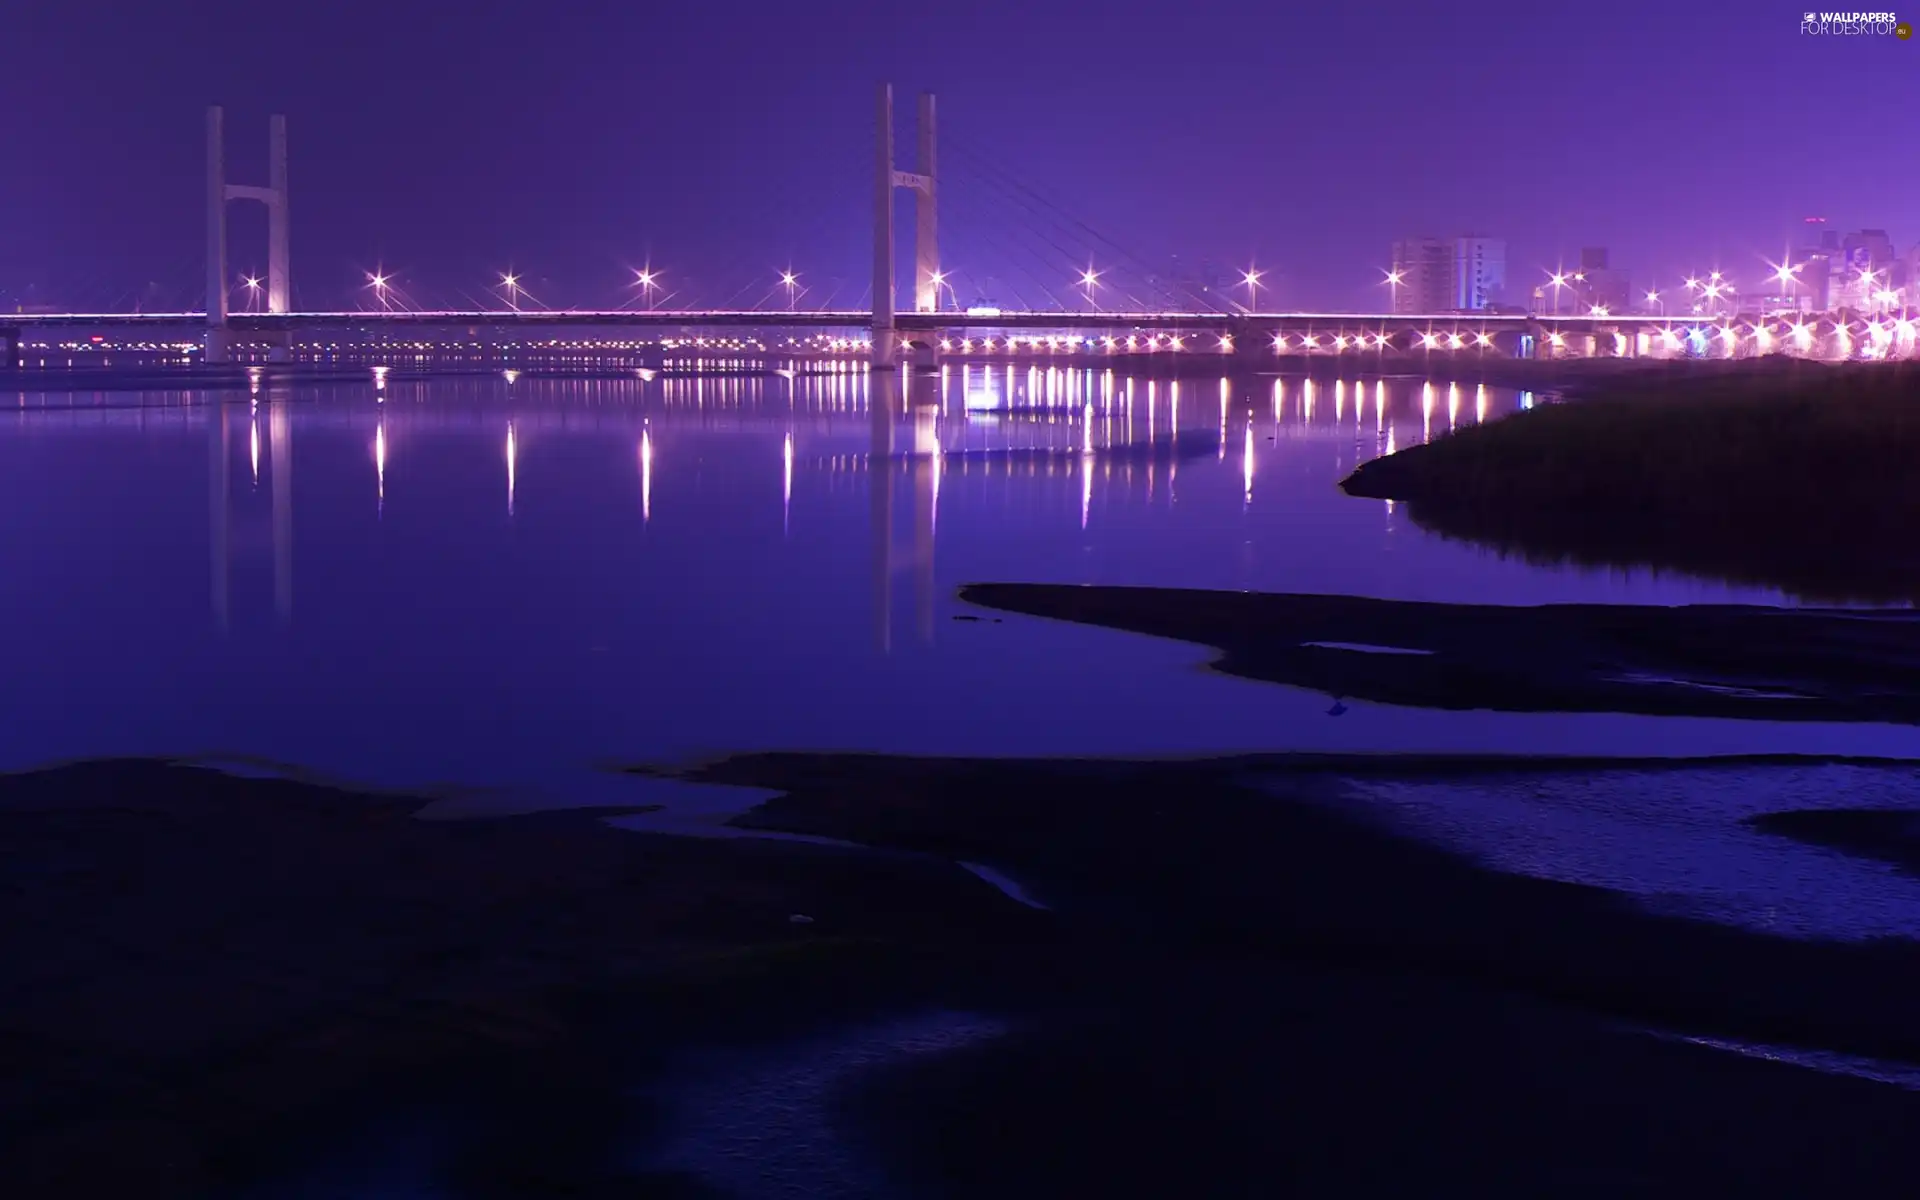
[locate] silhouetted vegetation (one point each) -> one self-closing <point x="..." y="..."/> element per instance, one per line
<point x="1781" y="473"/>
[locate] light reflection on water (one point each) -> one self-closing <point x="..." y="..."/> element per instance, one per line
<point x="513" y="582"/>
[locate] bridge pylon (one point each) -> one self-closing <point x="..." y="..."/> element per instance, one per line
<point x="219" y="192"/>
<point x="926" y="252"/>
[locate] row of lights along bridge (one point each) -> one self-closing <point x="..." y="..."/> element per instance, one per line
<point x="1711" y="295"/>
<point x="386" y="296"/>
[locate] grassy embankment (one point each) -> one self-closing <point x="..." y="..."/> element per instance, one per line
<point x="1786" y="474"/>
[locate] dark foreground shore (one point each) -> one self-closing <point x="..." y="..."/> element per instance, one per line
<point x="1236" y="990"/>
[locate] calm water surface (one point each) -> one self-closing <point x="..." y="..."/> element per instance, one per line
<point x="505" y="584"/>
<point x="462" y="578"/>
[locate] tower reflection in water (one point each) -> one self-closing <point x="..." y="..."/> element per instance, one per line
<point x="920" y="465"/>
<point x="973" y="418"/>
<point x="221" y="516"/>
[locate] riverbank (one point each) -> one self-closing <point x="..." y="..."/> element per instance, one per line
<point x="218" y="980"/>
<point x="1272" y="991"/>
<point x="1692" y="660"/>
<point x="203" y="968"/>
<point x="1792" y="475"/>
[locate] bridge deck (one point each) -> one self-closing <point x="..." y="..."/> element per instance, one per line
<point x="846" y="319"/>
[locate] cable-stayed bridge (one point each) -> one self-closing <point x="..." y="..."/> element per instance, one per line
<point x="1200" y="322"/>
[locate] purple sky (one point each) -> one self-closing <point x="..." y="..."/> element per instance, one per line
<point x="571" y="141"/>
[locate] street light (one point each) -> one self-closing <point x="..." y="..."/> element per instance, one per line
<point x="1867" y="278"/>
<point x="1251" y="278"/>
<point x="1394" y="277"/>
<point x="788" y="278"/>
<point x="511" y="282"/>
<point x="645" y="279"/>
<point x="1653" y="297"/>
<point x="377" y="280"/>
<point x="1088" y="278"/>
<point x="1558" y="280"/>
<point x="939" y="280"/>
<point x="252" y="283"/>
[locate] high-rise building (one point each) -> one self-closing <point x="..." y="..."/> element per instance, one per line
<point x="1424" y="267"/>
<point x="1436" y="275"/>
<point x="1869" y="249"/>
<point x="1597" y="285"/>
<point x="1864" y="271"/>
<point x="1812" y="289"/>
<point x="1479" y="272"/>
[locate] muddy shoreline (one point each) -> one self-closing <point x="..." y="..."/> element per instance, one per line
<point x="1692" y="660"/>
<point x="1235" y="987"/>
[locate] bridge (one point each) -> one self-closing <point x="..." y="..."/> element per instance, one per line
<point x="926" y="332"/>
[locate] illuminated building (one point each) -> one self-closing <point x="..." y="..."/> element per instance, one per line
<point x="1479" y="272"/>
<point x="1425" y="270"/>
<point x="1461" y="274"/>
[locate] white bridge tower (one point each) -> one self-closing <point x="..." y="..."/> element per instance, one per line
<point x="219" y="192"/>
<point x="926" y="244"/>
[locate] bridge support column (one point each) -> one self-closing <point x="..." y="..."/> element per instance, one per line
<point x="883" y="233"/>
<point x="1252" y="349"/>
<point x="219" y="192"/>
<point x="926" y="230"/>
<point x="279" y="276"/>
<point x="925" y="353"/>
<point x="926" y="247"/>
<point x="216" y="344"/>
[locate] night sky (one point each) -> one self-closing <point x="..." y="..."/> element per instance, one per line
<point x="725" y="141"/>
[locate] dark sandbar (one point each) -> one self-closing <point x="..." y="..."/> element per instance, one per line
<point x="1692" y="660"/>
